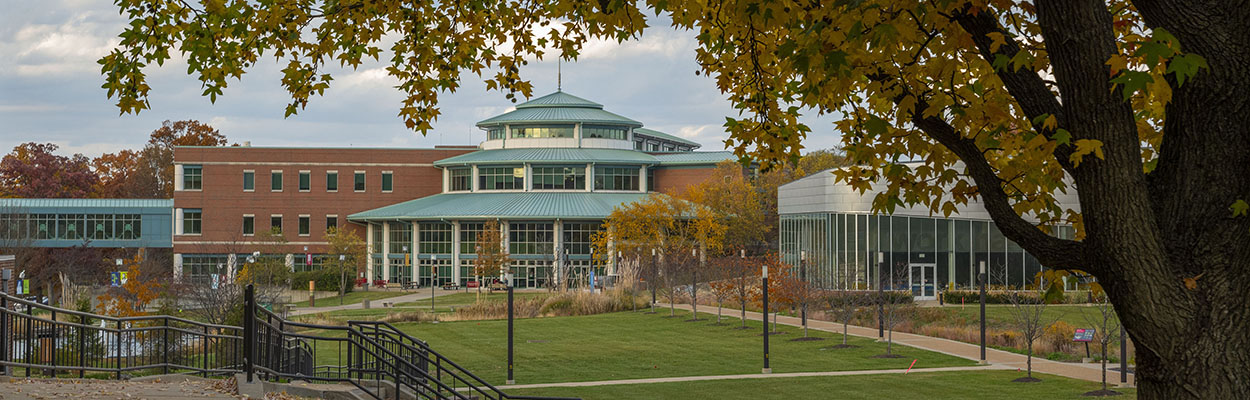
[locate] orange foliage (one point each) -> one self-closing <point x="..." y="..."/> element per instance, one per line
<point x="134" y="296"/>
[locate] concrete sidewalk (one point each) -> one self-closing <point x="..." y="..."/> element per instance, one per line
<point x="1004" y="359"/>
<point x="749" y="376"/>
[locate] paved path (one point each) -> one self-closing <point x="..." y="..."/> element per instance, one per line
<point x="1005" y="359"/>
<point x="39" y="389"/>
<point x="749" y="376"/>
<point x="377" y="303"/>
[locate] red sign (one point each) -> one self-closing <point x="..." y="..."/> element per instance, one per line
<point x="472" y="284"/>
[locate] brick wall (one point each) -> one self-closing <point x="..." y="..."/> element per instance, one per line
<point x="675" y="180"/>
<point x="9" y="263"/>
<point x="224" y="202"/>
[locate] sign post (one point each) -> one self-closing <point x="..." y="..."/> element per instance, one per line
<point x="312" y="294"/>
<point x="1086" y="336"/>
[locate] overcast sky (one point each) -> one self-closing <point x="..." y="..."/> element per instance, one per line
<point x="50" y="92"/>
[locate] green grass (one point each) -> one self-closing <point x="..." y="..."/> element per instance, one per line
<point x="354" y="297"/>
<point x="446" y="302"/>
<point x="629" y="345"/>
<point x="935" y="385"/>
<point x="1000" y="315"/>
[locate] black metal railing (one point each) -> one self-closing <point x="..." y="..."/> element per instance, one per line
<point x="36" y="339"/>
<point x="373" y="356"/>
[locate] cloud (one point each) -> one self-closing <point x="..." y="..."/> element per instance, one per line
<point x="29" y="108"/>
<point x="67" y="48"/>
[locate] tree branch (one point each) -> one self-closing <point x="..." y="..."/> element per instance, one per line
<point x="1025" y="85"/>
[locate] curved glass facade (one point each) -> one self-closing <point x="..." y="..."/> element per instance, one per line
<point x="922" y="254"/>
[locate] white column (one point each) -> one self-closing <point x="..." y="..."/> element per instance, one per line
<point x="413" y="260"/>
<point x="446" y="180"/>
<point x="177" y="221"/>
<point x="386" y="249"/>
<point x="177" y="266"/>
<point x="369" y="258"/>
<point x="590" y="176"/>
<point x="558" y="245"/>
<point x="177" y="177"/>
<point x="455" y="251"/>
<point x="473" y="180"/>
<point x="642" y="179"/>
<point x="529" y="178"/>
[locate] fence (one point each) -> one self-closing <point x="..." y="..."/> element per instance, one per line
<point x="375" y="357"/>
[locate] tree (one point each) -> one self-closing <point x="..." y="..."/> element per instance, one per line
<point x="351" y="249"/>
<point x="157" y="158"/>
<point x="134" y="296"/>
<point x="795" y="291"/>
<point x="1028" y="309"/>
<point x="1130" y="103"/>
<point x="34" y="170"/>
<point x="843" y="304"/>
<point x="492" y="257"/>
<point x="896" y="306"/>
<point x="1105" y="322"/>
<point x="721" y="283"/>
<point x="120" y="176"/>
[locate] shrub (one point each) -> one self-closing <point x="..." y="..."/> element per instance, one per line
<point x="327" y="279"/>
<point x="1059" y="335"/>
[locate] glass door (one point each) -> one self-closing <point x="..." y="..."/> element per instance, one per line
<point x="923" y="281"/>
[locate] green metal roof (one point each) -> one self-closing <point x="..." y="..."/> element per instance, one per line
<point x="549" y="155"/>
<point x="511" y="205"/>
<point x="85" y="203"/>
<point x="559" y="107"/>
<point x="559" y="99"/>
<point x="661" y="135"/>
<point x="695" y="157"/>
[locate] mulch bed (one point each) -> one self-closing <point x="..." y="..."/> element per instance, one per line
<point x="887" y="356"/>
<point x="1026" y="380"/>
<point x="1101" y="393"/>
<point x="807" y="339"/>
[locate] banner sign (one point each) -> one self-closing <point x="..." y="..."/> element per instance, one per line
<point x="1083" y="335"/>
<point x="23" y="286"/>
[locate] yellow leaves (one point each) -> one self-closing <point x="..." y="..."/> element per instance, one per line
<point x="996" y="40"/>
<point x="1050" y="123"/>
<point x="1084" y="147"/>
<point x="1117" y="62"/>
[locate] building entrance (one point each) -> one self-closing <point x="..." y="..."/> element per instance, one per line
<point x="923" y="281"/>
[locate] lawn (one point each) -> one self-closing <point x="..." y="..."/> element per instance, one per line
<point x="353" y="297"/>
<point x="446" y="302"/>
<point x="628" y="345"/>
<point x="935" y="385"/>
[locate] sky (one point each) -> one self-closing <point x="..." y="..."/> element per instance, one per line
<point x="50" y="92"/>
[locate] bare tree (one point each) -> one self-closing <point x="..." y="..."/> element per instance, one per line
<point x="896" y="307"/>
<point x="1105" y="321"/>
<point x="742" y="283"/>
<point x="844" y="304"/>
<point x="1028" y="310"/>
<point x="720" y="282"/>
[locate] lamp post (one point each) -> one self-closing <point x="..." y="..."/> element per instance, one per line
<point x="433" y="273"/>
<point x="880" y="296"/>
<point x="764" y="274"/>
<point x="342" y="278"/>
<point x="654" y="264"/>
<point x="981" y="280"/>
<point x="803" y="283"/>
<point x="508" y="281"/>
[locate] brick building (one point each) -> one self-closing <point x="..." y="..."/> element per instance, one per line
<point x="550" y="171"/>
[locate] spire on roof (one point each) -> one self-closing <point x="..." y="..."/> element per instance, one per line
<point x="559" y="73"/>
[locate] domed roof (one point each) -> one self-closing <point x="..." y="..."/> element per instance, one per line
<point x="558" y="107"/>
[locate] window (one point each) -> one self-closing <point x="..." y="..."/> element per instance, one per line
<point x="375" y="245"/>
<point x="192" y="176"/>
<point x="401" y="238"/>
<point x="99" y="226"/>
<point x="275" y="181"/>
<point x="461" y="179"/>
<point x="556" y="178"/>
<point x="638" y="145"/>
<point x="388" y="181"/>
<point x="304" y="225"/>
<point x="501" y="178"/>
<point x="332" y="222"/>
<point x="249" y="225"/>
<point x="531" y="238"/>
<point x="468" y="236"/>
<point x="434" y="237"/>
<point x="127" y="227"/>
<point x="249" y="181"/>
<point x="542" y="131"/>
<point x="578" y="236"/>
<point x="669" y="147"/>
<point x="305" y="181"/>
<point x="605" y="132"/>
<point x="683" y="148"/>
<point x="495" y="133"/>
<point x="332" y="181"/>
<point x="650" y="179"/>
<point x="191" y="218"/>
<point x="616" y="178"/>
<point x="70" y="226"/>
<point x="275" y="223"/>
<point x="360" y="181"/>
<point x="653" y="146"/>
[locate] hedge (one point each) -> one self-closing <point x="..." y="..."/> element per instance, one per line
<point x="328" y="279"/>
